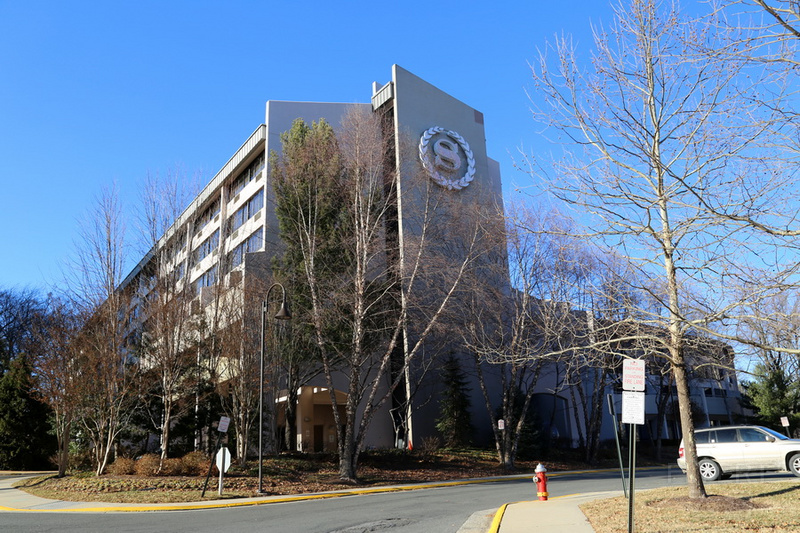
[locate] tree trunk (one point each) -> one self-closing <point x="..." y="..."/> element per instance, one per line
<point x="661" y="417"/>
<point x="347" y="454"/>
<point x="105" y="452"/>
<point x="693" y="479"/>
<point x="290" y="431"/>
<point x="63" y="449"/>
<point x="167" y="415"/>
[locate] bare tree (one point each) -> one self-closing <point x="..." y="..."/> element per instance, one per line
<point x="55" y="345"/>
<point x="515" y="333"/>
<point x="765" y="31"/>
<point x="773" y="327"/>
<point x="657" y="136"/>
<point x="238" y="367"/>
<point x="549" y="326"/>
<point x="608" y="296"/>
<point x="107" y="367"/>
<point x="293" y="362"/>
<point x="166" y="347"/>
<point x="18" y="310"/>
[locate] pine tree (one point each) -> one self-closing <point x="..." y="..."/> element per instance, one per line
<point x="774" y="394"/>
<point x="454" y="418"/>
<point x="311" y="207"/>
<point x="24" y="440"/>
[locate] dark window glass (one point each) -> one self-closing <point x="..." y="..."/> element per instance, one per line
<point x="207" y="215"/>
<point x="247" y="211"/>
<point x="251" y="244"/>
<point x="751" y="435"/>
<point x="726" y="435"/>
<point x="249" y="174"/>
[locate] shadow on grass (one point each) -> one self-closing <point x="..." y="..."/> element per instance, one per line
<point x="787" y="490"/>
<point x="34" y="482"/>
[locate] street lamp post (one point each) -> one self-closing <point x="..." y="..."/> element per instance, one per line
<point x="282" y="314"/>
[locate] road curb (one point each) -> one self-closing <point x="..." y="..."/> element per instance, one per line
<point x="498" y="518"/>
<point x="190" y="506"/>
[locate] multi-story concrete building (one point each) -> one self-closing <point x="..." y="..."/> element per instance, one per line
<point x="228" y="236"/>
<point x="229" y="233"/>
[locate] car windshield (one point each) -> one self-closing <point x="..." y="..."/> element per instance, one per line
<point x="775" y="434"/>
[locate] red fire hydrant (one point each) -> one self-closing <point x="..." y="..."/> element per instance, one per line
<point x="541" y="482"/>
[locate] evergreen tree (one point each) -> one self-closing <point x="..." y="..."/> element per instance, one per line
<point x="311" y="207"/>
<point x="24" y="440"/>
<point x="454" y="418"/>
<point x="774" y="395"/>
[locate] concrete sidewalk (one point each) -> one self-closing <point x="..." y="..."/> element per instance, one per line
<point x="554" y="515"/>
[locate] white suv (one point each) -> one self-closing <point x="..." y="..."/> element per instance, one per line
<point x="724" y="450"/>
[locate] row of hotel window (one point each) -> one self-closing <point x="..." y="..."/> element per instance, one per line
<point x="251" y="173"/>
<point x="248" y="175"/>
<point x="247" y="211"/>
<point x="242" y="215"/>
<point x="253" y="243"/>
<point x="235" y="258"/>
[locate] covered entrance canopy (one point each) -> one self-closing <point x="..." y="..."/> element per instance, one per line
<point x="316" y="427"/>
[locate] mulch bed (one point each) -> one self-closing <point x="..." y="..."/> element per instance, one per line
<point x="720" y="504"/>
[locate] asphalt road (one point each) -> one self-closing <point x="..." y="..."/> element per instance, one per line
<point x="440" y="510"/>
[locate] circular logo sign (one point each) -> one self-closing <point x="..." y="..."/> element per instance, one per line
<point x="443" y="154"/>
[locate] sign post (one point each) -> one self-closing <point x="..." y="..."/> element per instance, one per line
<point x="633" y="409"/>
<point x="785" y="424"/>
<point x="223" y="463"/>
<point x="222" y="428"/>
<point x="613" y="412"/>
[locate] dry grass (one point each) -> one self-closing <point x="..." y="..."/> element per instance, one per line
<point x="128" y="489"/>
<point x="732" y="507"/>
<point x="289" y="474"/>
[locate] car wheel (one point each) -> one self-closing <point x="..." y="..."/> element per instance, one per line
<point x="794" y="464"/>
<point x="709" y="470"/>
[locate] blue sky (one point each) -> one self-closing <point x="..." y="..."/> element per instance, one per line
<point x="97" y="93"/>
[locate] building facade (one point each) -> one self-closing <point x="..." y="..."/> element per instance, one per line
<point x="228" y="236"/>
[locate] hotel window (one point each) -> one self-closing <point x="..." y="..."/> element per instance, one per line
<point x="180" y="242"/>
<point x="180" y="270"/>
<point x="175" y="246"/>
<point x="206" y="247"/>
<point x="247" y="211"/>
<point x="207" y="215"/>
<point x="206" y="279"/>
<point x="252" y="244"/>
<point x="249" y="174"/>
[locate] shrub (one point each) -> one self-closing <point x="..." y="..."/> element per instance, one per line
<point x="147" y="465"/>
<point x="429" y="447"/>
<point x="80" y="459"/>
<point x="123" y="466"/>
<point x="195" y="463"/>
<point x="172" y="466"/>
